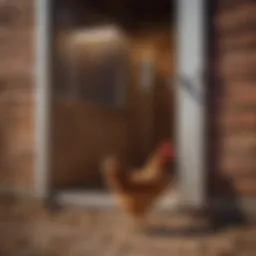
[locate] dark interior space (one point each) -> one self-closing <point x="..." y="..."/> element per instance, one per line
<point x="136" y="120"/>
<point x="129" y="14"/>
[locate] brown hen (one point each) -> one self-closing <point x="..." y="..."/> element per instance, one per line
<point x="137" y="190"/>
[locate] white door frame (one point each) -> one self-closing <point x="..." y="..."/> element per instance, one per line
<point x="43" y="97"/>
<point x="191" y="113"/>
<point x="190" y="123"/>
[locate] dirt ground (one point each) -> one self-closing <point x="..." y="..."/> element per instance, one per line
<point x="28" y="228"/>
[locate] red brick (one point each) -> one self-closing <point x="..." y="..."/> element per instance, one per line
<point x="22" y="173"/>
<point x="233" y="165"/>
<point x="237" y="17"/>
<point x="239" y="64"/>
<point x="238" y="88"/>
<point x="237" y="42"/>
<point x="245" y="151"/>
<point x="234" y="120"/>
<point x="240" y="141"/>
<point x="22" y="15"/>
<point x="241" y="100"/>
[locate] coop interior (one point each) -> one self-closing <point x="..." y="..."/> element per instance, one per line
<point x="113" y="63"/>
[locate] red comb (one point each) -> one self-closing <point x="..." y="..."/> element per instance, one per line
<point x="167" y="148"/>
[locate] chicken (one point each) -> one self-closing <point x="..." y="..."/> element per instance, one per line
<point x="137" y="190"/>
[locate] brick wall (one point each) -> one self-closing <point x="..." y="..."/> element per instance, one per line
<point x="236" y="122"/>
<point x="17" y="88"/>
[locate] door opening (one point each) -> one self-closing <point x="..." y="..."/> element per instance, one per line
<point x="109" y="91"/>
<point x="111" y="87"/>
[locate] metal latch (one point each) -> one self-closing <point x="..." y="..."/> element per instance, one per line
<point x="191" y="86"/>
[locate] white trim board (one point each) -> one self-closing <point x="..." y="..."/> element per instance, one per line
<point x="43" y="148"/>
<point x="190" y="116"/>
<point x="101" y="200"/>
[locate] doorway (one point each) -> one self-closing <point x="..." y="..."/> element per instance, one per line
<point x="125" y="108"/>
